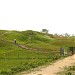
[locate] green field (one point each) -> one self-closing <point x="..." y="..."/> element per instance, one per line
<point x="32" y="49"/>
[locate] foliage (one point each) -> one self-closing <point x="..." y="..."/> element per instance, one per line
<point x="42" y="49"/>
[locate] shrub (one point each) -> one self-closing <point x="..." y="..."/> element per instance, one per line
<point x="72" y="68"/>
<point x="33" y="65"/>
<point x="69" y="73"/>
<point x="5" y="73"/>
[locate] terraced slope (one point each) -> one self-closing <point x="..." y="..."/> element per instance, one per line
<point x="31" y="50"/>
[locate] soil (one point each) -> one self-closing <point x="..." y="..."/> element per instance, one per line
<point x="54" y="68"/>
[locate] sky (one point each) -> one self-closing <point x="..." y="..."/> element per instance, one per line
<point x="57" y="16"/>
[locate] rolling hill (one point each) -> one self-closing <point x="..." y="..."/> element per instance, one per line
<point x="32" y="49"/>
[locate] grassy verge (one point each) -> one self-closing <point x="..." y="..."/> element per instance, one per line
<point x="68" y="71"/>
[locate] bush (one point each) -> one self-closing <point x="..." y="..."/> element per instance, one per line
<point x="72" y="68"/>
<point x="33" y="64"/>
<point x="5" y="73"/>
<point x="69" y="73"/>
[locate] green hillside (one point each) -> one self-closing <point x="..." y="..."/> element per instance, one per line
<point x="32" y="49"/>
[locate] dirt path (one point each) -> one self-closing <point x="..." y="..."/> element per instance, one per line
<point x="55" y="67"/>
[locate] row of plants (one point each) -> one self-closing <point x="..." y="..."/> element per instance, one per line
<point x="24" y="66"/>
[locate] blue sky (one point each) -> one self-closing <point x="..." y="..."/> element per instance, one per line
<point x="58" y="16"/>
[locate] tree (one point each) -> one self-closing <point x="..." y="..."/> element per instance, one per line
<point x="44" y="30"/>
<point x="67" y="35"/>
